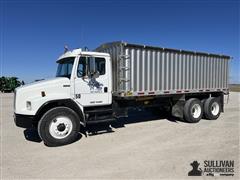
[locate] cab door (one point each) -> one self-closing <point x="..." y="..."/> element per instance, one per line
<point x="91" y="84"/>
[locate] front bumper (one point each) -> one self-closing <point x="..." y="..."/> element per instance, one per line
<point x="24" y="121"/>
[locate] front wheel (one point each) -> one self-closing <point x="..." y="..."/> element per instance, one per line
<point x="59" y="126"/>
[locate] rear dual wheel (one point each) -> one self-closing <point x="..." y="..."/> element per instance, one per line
<point x="212" y="108"/>
<point x="193" y="110"/>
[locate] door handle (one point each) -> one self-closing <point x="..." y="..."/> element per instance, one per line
<point x="105" y="89"/>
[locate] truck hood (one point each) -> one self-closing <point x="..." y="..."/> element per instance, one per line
<point x="45" y="83"/>
<point x="39" y="93"/>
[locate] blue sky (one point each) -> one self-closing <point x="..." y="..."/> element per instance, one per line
<point x="33" y="33"/>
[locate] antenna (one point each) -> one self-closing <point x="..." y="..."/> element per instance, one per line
<point x="66" y="49"/>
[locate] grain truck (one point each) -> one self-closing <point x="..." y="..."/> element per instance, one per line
<point x="102" y="85"/>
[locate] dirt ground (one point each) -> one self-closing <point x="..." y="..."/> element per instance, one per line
<point x="143" y="146"/>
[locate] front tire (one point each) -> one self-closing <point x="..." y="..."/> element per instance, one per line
<point x="193" y="110"/>
<point x="212" y="108"/>
<point x="59" y="126"/>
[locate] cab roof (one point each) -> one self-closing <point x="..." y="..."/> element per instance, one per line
<point x="76" y="52"/>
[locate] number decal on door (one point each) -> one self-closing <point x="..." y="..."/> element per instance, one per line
<point x="77" y="96"/>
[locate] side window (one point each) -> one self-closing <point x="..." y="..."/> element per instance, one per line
<point x="84" y="66"/>
<point x="100" y="65"/>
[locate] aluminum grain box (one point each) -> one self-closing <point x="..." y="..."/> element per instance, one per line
<point x="140" y="70"/>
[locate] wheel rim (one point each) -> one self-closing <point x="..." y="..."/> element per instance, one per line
<point x="215" y="108"/>
<point x="196" y="111"/>
<point x="60" y="127"/>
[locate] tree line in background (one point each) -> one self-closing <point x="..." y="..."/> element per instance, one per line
<point x="8" y="84"/>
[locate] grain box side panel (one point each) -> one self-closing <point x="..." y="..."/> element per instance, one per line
<point x="161" y="70"/>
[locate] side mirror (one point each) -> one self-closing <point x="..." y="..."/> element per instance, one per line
<point x="92" y="65"/>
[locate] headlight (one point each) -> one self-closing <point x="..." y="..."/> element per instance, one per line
<point x="29" y="105"/>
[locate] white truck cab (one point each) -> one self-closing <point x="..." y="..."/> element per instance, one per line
<point x="83" y="79"/>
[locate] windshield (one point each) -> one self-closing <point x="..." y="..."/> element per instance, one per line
<point x="65" y="67"/>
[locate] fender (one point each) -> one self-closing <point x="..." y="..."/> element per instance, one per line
<point x="61" y="102"/>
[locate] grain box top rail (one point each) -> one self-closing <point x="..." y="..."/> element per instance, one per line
<point x="106" y="45"/>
